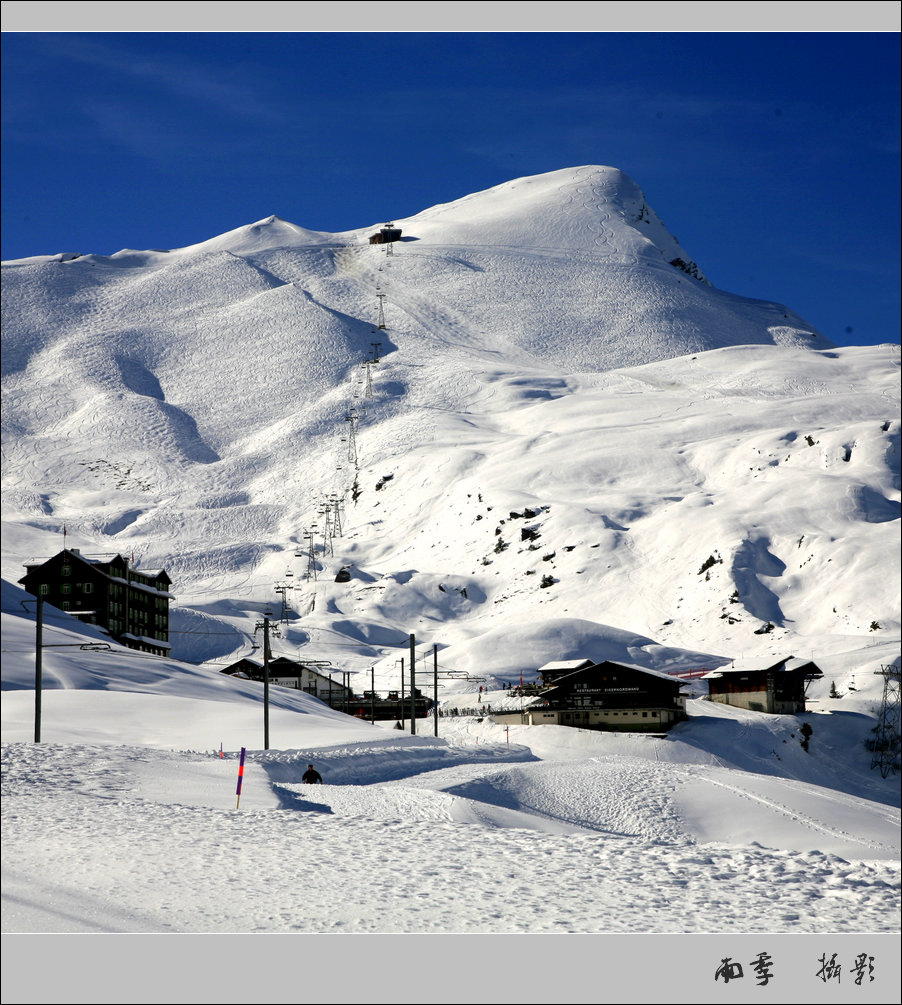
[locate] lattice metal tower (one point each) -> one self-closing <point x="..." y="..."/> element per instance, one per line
<point x="282" y="589"/>
<point x="336" y="515"/>
<point x="311" y="555"/>
<point x="381" y="321"/>
<point x="325" y="511"/>
<point x="352" y="419"/>
<point x="368" y="381"/>
<point x="886" y="741"/>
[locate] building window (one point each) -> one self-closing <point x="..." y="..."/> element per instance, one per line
<point x="64" y="606"/>
<point x="66" y="570"/>
<point x="89" y="587"/>
<point x="66" y="588"/>
<point x="43" y="589"/>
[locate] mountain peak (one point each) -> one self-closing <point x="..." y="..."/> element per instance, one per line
<point x="590" y="210"/>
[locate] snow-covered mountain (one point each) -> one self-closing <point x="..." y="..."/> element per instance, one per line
<point x="572" y="444"/>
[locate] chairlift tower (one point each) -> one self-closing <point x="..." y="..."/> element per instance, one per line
<point x="282" y="589"/>
<point x="381" y="321"/>
<point x="886" y="732"/>
<point x="368" y="380"/>
<point x="311" y="556"/>
<point x="325" y="512"/>
<point x="336" y="516"/>
<point x="352" y="418"/>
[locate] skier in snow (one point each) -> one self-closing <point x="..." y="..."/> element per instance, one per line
<point x="312" y="777"/>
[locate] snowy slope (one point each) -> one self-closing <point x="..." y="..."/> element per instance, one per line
<point x="125" y="817"/>
<point x="541" y="355"/>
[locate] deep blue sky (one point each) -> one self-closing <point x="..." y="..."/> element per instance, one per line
<point x="774" y="158"/>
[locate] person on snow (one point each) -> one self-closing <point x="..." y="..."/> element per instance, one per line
<point x="312" y="777"/>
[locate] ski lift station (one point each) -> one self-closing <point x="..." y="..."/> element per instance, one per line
<point x="386" y="235"/>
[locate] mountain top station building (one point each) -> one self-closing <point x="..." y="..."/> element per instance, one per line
<point x="132" y="605"/>
<point x="605" y="696"/>
<point x="777" y="688"/>
<point x="386" y="235"/>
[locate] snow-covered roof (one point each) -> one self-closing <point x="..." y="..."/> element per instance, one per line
<point x="565" y="665"/>
<point x="790" y="664"/>
<point x="146" y="640"/>
<point x="627" y="666"/>
<point x="141" y="586"/>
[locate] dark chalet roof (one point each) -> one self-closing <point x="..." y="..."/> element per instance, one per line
<point x="790" y="664"/>
<point x="279" y="666"/>
<point x="108" y="567"/>
<point x="609" y="666"/>
<point x="562" y="684"/>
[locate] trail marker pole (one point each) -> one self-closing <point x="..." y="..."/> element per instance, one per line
<point x="240" y="778"/>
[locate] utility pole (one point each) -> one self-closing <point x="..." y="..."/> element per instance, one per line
<point x="413" y="686"/>
<point x="401" y="693"/>
<point x="435" y="686"/>
<point x="38" y="666"/>
<point x="373" y="695"/>
<point x="267" y="656"/>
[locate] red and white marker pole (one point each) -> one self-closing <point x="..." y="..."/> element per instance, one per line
<point x="240" y="778"/>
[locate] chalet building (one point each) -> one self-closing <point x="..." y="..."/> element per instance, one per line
<point x="286" y="672"/>
<point x="132" y="605"/>
<point x="605" y="696"/>
<point x="386" y="235"/>
<point x="777" y="688"/>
